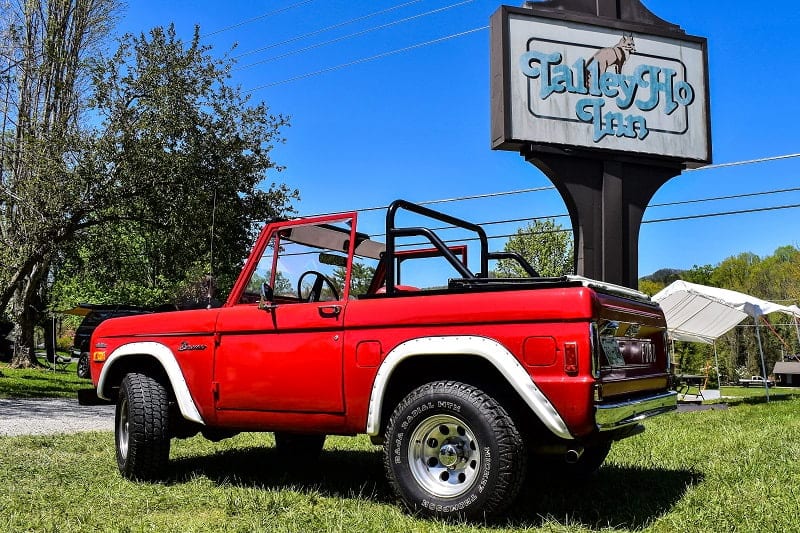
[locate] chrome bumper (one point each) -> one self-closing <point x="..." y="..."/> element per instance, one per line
<point x="617" y="415"/>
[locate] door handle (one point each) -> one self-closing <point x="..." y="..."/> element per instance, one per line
<point x="330" y="311"/>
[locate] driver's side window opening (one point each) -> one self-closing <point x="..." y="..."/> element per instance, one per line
<point x="309" y="263"/>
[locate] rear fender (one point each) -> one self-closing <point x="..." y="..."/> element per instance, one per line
<point x="167" y="360"/>
<point x="489" y="349"/>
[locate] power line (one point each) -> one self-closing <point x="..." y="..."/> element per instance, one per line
<point x="724" y="213"/>
<point x="566" y="215"/>
<point x="326" y="29"/>
<point x="664" y="204"/>
<point x="368" y="59"/>
<point x="352" y="35"/>
<point x="740" y="163"/>
<point x="259" y="17"/>
<point x="569" y="230"/>
<point x="446" y="200"/>
<point x="728" y="197"/>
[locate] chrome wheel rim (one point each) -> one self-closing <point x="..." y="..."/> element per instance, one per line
<point x="444" y="456"/>
<point x="122" y="429"/>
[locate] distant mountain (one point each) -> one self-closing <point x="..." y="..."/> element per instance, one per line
<point x="665" y="275"/>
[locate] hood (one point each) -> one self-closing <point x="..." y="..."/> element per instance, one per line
<point x="196" y="321"/>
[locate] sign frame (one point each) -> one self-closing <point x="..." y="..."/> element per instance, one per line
<point x="504" y="108"/>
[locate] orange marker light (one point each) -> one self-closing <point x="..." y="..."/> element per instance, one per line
<point x="98" y="357"/>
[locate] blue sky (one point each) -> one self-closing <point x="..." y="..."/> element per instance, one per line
<point x="415" y="124"/>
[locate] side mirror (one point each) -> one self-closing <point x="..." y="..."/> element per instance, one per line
<point x="267" y="302"/>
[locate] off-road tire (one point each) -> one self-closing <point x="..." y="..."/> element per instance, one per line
<point x="83" y="366"/>
<point x="451" y="450"/>
<point x="141" y="425"/>
<point x="297" y="446"/>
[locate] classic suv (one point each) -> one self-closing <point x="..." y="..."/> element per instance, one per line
<point x="462" y="377"/>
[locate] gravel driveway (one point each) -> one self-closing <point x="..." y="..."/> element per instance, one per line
<point x="47" y="417"/>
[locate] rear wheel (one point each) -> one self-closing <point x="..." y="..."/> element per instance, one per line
<point x="142" y="428"/>
<point x="83" y="365"/>
<point x="452" y="450"/>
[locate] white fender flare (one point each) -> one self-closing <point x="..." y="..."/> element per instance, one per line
<point x="489" y="349"/>
<point x="170" y="365"/>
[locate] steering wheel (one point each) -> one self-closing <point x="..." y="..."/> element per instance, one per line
<point x="315" y="293"/>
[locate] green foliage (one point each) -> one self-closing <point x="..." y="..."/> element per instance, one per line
<point x="545" y="245"/>
<point x="649" y="286"/>
<point x="183" y="154"/>
<point x="46" y="177"/>
<point x="360" y="278"/>
<point x="698" y="274"/>
<point x="665" y="276"/>
<point x="64" y="343"/>
<point x="774" y="278"/>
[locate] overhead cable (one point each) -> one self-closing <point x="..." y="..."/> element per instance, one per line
<point x="724" y="213"/>
<point x="728" y="197"/>
<point x="259" y="17"/>
<point x="569" y="230"/>
<point x="326" y="29"/>
<point x="740" y="163"/>
<point x="368" y="59"/>
<point x="351" y="35"/>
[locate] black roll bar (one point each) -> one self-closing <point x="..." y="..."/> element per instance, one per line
<point x="392" y="232"/>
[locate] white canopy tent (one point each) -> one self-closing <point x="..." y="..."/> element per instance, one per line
<point x="697" y="313"/>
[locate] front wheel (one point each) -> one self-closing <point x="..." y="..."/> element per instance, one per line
<point x="452" y="450"/>
<point x="142" y="428"/>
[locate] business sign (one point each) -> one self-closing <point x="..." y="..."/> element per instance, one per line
<point x="572" y="84"/>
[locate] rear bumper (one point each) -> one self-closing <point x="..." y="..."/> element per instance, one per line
<point x="616" y="415"/>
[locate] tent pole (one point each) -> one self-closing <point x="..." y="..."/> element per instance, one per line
<point x="761" y="352"/>
<point x="797" y="328"/>
<point x="716" y="363"/>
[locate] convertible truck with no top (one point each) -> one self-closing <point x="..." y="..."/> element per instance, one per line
<point x="468" y="381"/>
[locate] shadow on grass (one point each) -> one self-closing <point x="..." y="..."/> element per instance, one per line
<point x="337" y="473"/>
<point x="615" y="497"/>
<point x="618" y="497"/>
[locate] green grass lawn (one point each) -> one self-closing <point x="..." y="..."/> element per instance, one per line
<point x="40" y="382"/>
<point x="721" y="470"/>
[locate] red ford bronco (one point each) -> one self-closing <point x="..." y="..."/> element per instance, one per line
<point x="463" y="378"/>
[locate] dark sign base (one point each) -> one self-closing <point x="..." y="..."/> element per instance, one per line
<point x="606" y="200"/>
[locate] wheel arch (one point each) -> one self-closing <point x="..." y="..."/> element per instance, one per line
<point x="480" y="361"/>
<point x="152" y="358"/>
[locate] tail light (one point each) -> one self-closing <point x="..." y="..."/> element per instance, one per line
<point x="571" y="358"/>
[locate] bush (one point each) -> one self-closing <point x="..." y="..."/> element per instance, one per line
<point x="64" y="342"/>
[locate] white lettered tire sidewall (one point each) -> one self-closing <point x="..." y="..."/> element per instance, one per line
<point x="498" y="455"/>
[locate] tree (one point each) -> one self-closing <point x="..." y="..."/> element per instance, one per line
<point x="172" y="147"/>
<point x="545" y="245"/>
<point x="44" y="45"/>
<point x="360" y="278"/>
<point x="191" y="153"/>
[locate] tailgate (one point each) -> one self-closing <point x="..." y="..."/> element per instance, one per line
<point x="631" y="354"/>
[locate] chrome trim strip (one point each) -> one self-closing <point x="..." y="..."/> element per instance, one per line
<point x="616" y="415"/>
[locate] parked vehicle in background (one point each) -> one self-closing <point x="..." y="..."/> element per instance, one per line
<point x="755" y="381"/>
<point x="6" y="344"/>
<point x="462" y="378"/>
<point x="93" y="315"/>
